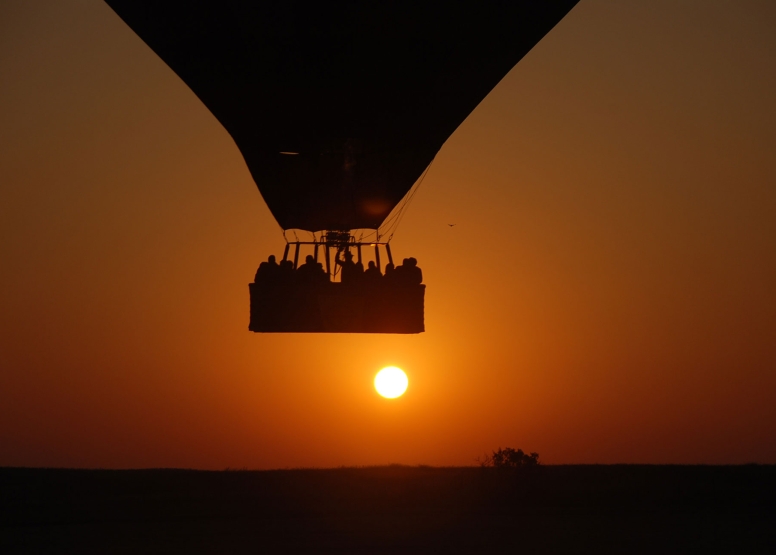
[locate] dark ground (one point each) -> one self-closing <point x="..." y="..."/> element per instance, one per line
<point x="550" y="509"/>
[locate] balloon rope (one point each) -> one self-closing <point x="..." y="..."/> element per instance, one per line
<point x="408" y="200"/>
<point x="395" y="219"/>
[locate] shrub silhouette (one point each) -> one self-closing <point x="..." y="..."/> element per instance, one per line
<point x="510" y="458"/>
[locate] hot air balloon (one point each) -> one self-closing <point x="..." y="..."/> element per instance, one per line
<point x="338" y="109"/>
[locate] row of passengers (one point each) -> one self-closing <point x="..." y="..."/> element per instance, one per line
<point x="406" y="273"/>
<point x="352" y="272"/>
<point x="272" y="272"/>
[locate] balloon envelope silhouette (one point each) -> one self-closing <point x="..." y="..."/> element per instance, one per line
<point x="339" y="107"/>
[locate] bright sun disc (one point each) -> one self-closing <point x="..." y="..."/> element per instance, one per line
<point x="391" y="382"/>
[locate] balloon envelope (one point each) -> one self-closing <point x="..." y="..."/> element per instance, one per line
<point x="338" y="108"/>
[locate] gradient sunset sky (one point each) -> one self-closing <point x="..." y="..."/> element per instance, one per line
<point x="608" y="294"/>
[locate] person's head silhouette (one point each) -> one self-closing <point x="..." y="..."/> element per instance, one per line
<point x="271" y="259"/>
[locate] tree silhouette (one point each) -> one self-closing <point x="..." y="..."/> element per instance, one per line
<point x="510" y="458"/>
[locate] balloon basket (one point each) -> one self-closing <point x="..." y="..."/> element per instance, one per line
<point x="336" y="308"/>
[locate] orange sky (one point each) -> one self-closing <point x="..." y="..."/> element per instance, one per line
<point x="607" y="295"/>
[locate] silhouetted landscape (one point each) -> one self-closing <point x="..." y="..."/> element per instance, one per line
<point x="392" y="509"/>
<point x="445" y="226"/>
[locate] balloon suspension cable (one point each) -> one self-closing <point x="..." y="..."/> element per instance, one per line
<point x="392" y="223"/>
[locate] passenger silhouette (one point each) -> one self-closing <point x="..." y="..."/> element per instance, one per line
<point x="304" y="273"/>
<point x="311" y="271"/>
<point x="400" y="273"/>
<point x="414" y="273"/>
<point x="286" y="273"/>
<point x="408" y="273"/>
<point x="321" y="271"/>
<point x="351" y="271"/>
<point x="372" y="274"/>
<point x="390" y="273"/>
<point x="268" y="271"/>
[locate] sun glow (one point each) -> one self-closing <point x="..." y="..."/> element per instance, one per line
<point x="391" y="382"/>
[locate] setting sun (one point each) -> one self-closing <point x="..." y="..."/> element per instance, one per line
<point x="391" y="382"/>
